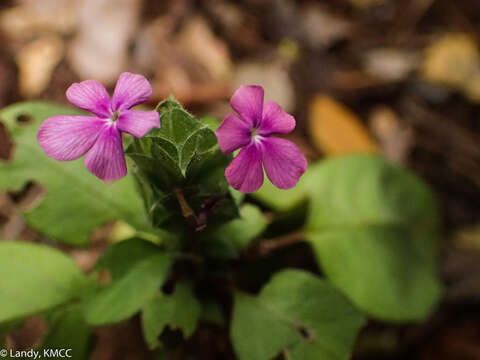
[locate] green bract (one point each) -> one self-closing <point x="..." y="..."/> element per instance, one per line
<point x="182" y="158"/>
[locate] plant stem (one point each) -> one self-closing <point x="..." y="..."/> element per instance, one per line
<point x="267" y="246"/>
<point x="187" y="211"/>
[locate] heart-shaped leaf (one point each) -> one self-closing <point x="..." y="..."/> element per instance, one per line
<point x="374" y="230"/>
<point x="298" y="315"/>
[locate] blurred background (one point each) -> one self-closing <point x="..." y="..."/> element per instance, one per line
<point x="396" y="77"/>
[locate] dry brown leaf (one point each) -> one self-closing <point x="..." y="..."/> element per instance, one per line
<point x="322" y="28"/>
<point x="272" y="76"/>
<point x="334" y="129"/>
<point x="198" y="40"/>
<point x="390" y="64"/>
<point x="100" y="49"/>
<point x="34" y="16"/>
<point x="396" y="138"/>
<point x="29" y="335"/>
<point x="11" y="219"/>
<point x="178" y="64"/>
<point x="36" y="62"/>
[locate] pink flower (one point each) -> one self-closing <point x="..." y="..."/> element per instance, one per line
<point x="68" y="137"/>
<point x="283" y="161"/>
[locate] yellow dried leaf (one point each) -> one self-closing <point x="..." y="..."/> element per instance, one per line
<point x="454" y="60"/>
<point x="451" y="60"/>
<point x="472" y="88"/>
<point x="334" y="129"/>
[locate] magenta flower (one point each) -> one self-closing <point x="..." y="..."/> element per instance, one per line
<point x="283" y="161"/>
<point x="69" y="137"/>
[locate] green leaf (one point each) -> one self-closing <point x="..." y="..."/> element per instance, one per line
<point x="230" y="238"/>
<point x="212" y="122"/>
<point x="298" y="315"/>
<point x="282" y="200"/>
<point x="180" y="310"/>
<point x="76" y="202"/>
<point x="237" y="196"/>
<point x="246" y="228"/>
<point x="35" y="278"/>
<point x="67" y="329"/>
<point x="138" y="269"/>
<point x="374" y="230"/>
<point x="119" y="258"/>
<point x="182" y="155"/>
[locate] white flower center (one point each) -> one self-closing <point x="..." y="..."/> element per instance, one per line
<point x="115" y="116"/>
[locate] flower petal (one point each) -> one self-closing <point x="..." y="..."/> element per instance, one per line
<point x="275" y="120"/>
<point x="138" y="123"/>
<point x="247" y="101"/>
<point x="68" y="137"/>
<point x="131" y="90"/>
<point x="105" y="159"/>
<point x="283" y="161"/>
<point x="232" y="134"/>
<point x="90" y="95"/>
<point x="245" y="173"/>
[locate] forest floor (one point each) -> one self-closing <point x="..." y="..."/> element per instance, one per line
<point x="403" y="75"/>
